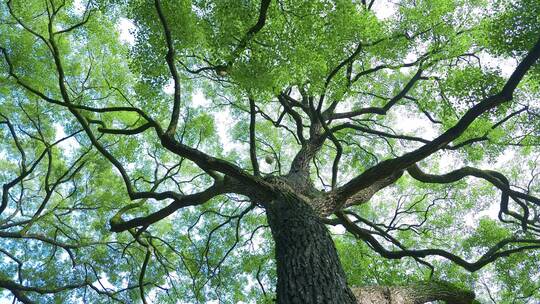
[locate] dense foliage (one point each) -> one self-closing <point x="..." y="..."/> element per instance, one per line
<point x="116" y="147"/>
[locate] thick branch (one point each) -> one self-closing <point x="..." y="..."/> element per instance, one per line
<point x="41" y="290"/>
<point x="118" y="224"/>
<point x="387" y="167"/>
<point x="327" y="204"/>
<point x="415" y="293"/>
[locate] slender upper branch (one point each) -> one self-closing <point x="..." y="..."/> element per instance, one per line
<point x="175" y="115"/>
<point x="382" y="110"/>
<point x="495" y="178"/>
<point x="261" y="21"/>
<point x="252" y="140"/>
<point x="492" y="254"/>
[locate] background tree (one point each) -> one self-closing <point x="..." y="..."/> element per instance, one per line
<point x="132" y="171"/>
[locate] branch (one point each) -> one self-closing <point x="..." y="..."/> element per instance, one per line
<point x="141" y="275"/>
<point x="119" y="225"/>
<point x="86" y="16"/>
<point x="41" y="290"/>
<point x="252" y="143"/>
<point x="467" y="142"/>
<point x="171" y="129"/>
<point x="382" y="110"/>
<point x="261" y="21"/>
<point x="490" y="256"/>
<point x="295" y="115"/>
<point x="203" y="160"/>
<point x="417" y="293"/>
<point x="222" y="70"/>
<point x="347" y="61"/>
<point x="137" y="130"/>
<point x="495" y="178"/>
<point x="387" y="167"/>
<point x="335" y="141"/>
<point x="26" y="171"/>
<point x="327" y="204"/>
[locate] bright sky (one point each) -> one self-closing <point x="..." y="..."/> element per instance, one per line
<point x="410" y="125"/>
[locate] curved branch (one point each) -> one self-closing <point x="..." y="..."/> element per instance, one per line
<point x="490" y="256"/>
<point x="41" y="290"/>
<point x="387" y="167"/>
<point x="118" y="224"/>
<point x="296" y="116"/>
<point x="257" y="27"/>
<point x="141" y="275"/>
<point x="495" y="178"/>
<point x="171" y="129"/>
<point x="222" y="70"/>
<point x="382" y="110"/>
<point x="137" y="130"/>
<point x="203" y="160"/>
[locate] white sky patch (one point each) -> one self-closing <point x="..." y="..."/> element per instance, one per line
<point x="473" y="219"/>
<point x="224" y="123"/>
<point x="505" y="158"/>
<point x="384" y="9"/>
<point x="198" y="99"/>
<point x="79" y="7"/>
<point x="69" y="145"/>
<point x="3" y="155"/>
<point x="152" y="295"/>
<point x="336" y="229"/>
<point x="6" y="297"/>
<point x="168" y="88"/>
<point x="131" y="167"/>
<point x="505" y="65"/>
<point x="104" y="282"/>
<point x="64" y="256"/>
<point x="126" y="28"/>
<point x="409" y="124"/>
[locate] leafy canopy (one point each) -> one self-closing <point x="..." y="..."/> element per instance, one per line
<point x="388" y="77"/>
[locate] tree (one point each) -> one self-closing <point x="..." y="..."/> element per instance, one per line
<point x="205" y="160"/>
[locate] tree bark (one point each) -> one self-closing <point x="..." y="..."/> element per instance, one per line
<point x="308" y="267"/>
<point x="417" y="293"/>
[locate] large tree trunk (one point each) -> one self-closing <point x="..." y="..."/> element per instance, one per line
<point x="308" y="267"/>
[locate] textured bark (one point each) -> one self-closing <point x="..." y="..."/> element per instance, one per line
<point x="328" y="203"/>
<point x="302" y="160"/>
<point x="308" y="267"/>
<point x="417" y="293"/>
